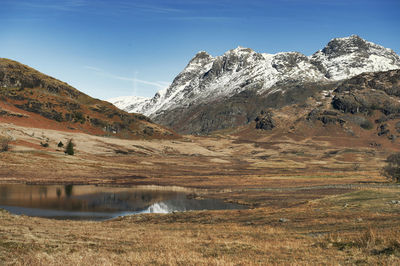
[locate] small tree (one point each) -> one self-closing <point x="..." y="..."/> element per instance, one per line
<point x="392" y="169"/>
<point x="4" y="143"/>
<point x="70" y="148"/>
<point x="60" y="144"/>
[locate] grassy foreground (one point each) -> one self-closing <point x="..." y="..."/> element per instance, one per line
<point x="360" y="227"/>
<point x="311" y="201"/>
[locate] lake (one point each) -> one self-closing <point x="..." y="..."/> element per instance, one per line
<point x="90" y="202"/>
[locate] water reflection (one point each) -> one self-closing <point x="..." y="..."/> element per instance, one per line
<point x="97" y="203"/>
<point x="68" y="190"/>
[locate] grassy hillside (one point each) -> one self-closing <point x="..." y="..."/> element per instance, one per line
<point x="30" y="98"/>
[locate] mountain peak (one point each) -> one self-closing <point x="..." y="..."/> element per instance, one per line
<point x="349" y="56"/>
<point x="340" y="46"/>
<point x="200" y="59"/>
<point x="240" y="50"/>
<point x="351" y="37"/>
<point x="202" y="55"/>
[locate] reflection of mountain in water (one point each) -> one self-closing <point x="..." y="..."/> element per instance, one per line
<point x="125" y="201"/>
<point x="82" y="198"/>
<point x="185" y="204"/>
<point x="98" y="203"/>
<point x="159" y="207"/>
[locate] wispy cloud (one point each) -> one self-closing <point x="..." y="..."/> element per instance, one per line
<point x="328" y="2"/>
<point x="21" y="19"/>
<point x="95" y="69"/>
<point x="158" y="84"/>
<point x="99" y="6"/>
<point x="149" y="8"/>
<point x="203" y="18"/>
<point x="64" y="5"/>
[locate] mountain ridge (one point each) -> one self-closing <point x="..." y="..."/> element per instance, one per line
<point x="208" y="78"/>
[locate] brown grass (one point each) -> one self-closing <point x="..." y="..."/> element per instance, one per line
<point x="336" y="207"/>
<point x="318" y="232"/>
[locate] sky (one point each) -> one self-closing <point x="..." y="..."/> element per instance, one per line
<point x="119" y="48"/>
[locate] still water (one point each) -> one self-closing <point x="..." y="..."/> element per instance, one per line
<point x="89" y="202"/>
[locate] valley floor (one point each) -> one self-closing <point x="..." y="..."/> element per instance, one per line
<point x="311" y="201"/>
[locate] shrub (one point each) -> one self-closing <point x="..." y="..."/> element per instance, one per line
<point x="4" y="144"/>
<point x="45" y="144"/>
<point x="121" y="152"/>
<point x="392" y="169"/>
<point x="366" y="125"/>
<point x="60" y="144"/>
<point x="70" y="148"/>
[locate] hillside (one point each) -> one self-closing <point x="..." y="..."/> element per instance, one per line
<point x="30" y="98"/>
<point x="362" y="111"/>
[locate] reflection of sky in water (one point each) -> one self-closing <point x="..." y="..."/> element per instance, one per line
<point x="97" y="203"/>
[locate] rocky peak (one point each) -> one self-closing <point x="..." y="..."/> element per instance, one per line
<point x="347" y="57"/>
<point x="200" y="57"/>
<point x="238" y="54"/>
<point x="232" y="61"/>
<point x="240" y="50"/>
<point x="340" y="46"/>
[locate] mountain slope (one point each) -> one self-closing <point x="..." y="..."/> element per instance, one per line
<point x="213" y="93"/>
<point x="365" y="109"/>
<point x="28" y="97"/>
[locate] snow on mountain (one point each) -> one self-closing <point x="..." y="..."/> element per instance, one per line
<point x="208" y="78"/>
<point x="344" y="58"/>
<point x="129" y="103"/>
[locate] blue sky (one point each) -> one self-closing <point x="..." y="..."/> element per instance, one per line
<point x="116" y="48"/>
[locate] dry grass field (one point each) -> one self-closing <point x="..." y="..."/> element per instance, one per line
<point x="311" y="200"/>
<point x="317" y="232"/>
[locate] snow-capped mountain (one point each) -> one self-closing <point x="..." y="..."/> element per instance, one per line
<point x="343" y="58"/>
<point x="129" y="103"/>
<point x="206" y="78"/>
